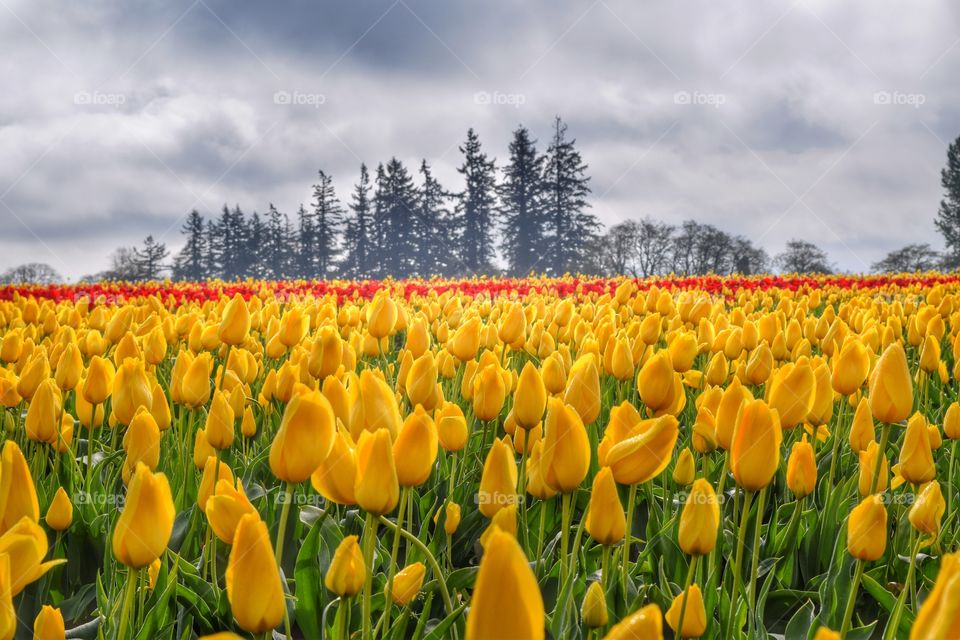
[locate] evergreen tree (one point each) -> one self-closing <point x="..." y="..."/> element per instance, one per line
<point x="398" y="249"/>
<point x="228" y="243"/>
<point x="565" y="204"/>
<point x="149" y="259"/>
<point x="521" y="195"/>
<point x="475" y="211"/>
<point x="378" y="267"/>
<point x="306" y="254"/>
<point x="948" y="217"/>
<point x="358" y="244"/>
<point x="276" y="248"/>
<point x="434" y="249"/>
<point x="256" y="235"/>
<point x="189" y="263"/>
<point x="210" y="268"/>
<point x="328" y="217"/>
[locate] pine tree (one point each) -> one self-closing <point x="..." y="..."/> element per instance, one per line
<point x="948" y="217"/>
<point x="565" y="204"/>
<point x="475" y="210"/>
<point x="276" y="245"/>
<point x="521" y="195"/>
<point x="434" y="250"/>
<point x="378" y="266"/>
<point x="399" y="250"/>
<point x="189" y="263"/>
<point x="256" y="235"/>
<point x="149" y="259"/>
<point x="328" y="217"/>
<point x="306" y="248"/>
<point x="210" y="268"/>
<point x="358" y="244"/>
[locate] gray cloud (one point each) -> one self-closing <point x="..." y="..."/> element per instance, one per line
<point x="810" y="119"/>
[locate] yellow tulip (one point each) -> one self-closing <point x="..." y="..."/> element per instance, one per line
<point x="69" y="368"/>
<point x="536" y="485"/>
<point x="646" y="623"/>
<point x="18" y="496"/>
<point x="8" y="615"/>
<point x="213" y="472"/>
<point x="347" y="572"/>
<point x="376" y="488"/>
<point x="850" y="367"/>
<point x="891" y="389"/>
<point x="44" y="413"/>
<point x="513" y="325"/>
<point x="927" y="512"/>
<point x="381" y="315"/>
<point x="802" y="469"/>
<point x="304" y="438"/>
<point x="335" y="477"/>
<point x="155" y="346"/>
<point x="293" y="326"/>
<point x="867" y="529"/>
<point x="583" y="388"/>
<point x="755" y="451"/>
<point x="226" y="507"/>
<point x="594" y="609"/>
<point x="506" y="600"/>
<point x="682" y="352"/>
<point x="141" y="443"/>
<point x="407" y="583"/>
<point x="235" y="322"/>
<point x="36" y="371"/>
<point x="643" y="452"/>
<point x="861" y="429"/>
<point x="951" y="421"/>
<point x="916" y="457"/>
<point x="685" y="470"/>
<point x="566" y="449"/>
<point x="376" y="407"/>
<point x="694" y="613"/>
<point x="451" y="520"/>
<point x="759" y="365"/>
<point x="418" y="338"/>
<point x="60" y="512"/>
<point x="415" y="449"/>
<point x="489" y="393"/>
<point x="146" y="522"/>
<point x="605" y="521"/>
<point x="451" y="426"/>
<point x="202" y="449"/>
<point x="99" y="381"/>
<point x="195" y="387"/>
<point x="868" y="465"/>
<point x="131" y="390"/>
<point x="655" y="381"/>
<point x="699" y="520"/>
<point x="824" y="633"/>
<point x="219" y="424"/>
<point x="498" y="482"/>
<point x="253" y="582"/>
<point x="421" y="382"/>
<point x="792" y="393"/>
<point x="26" y="545"/>
<point x="530" y="398"/>
<point x="930" y="354"/>
<point x="728" y="410"/>
<point x="939" y="616"/>
<point x="48" y="625"/>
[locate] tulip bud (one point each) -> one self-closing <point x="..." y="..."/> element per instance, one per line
<point x="235" y="322"/>
<point x="141" y="443"/>
<point x="451" y="518"/>
<point x="530" y="398"/>
<point x="44" y="412"/>
<point x="347" y="572"/>
<point x="728" y="410"/>
<point x="506" y="600"/>
<point x="146" y="522"/>
<point x="376" y="487"/>
<point x="202" y="449"/>
<point x="566" y="450"/>
<point x="489" y="393"/>
<point x="376" y="407"/>
<point x="641" y="449"/>
<point x="694" y="613"/>
<point x="939" y="616"/>
<point x="407" y="583"/>
<point x="802" y="469"/>
<point x="60" y="512"/>
<point x="951" y="421"/>
<point x="536" y="484"/>
<point x="927" y="512"/>
<point x="25" y="544"/>
<point x="861" y="429"/>
<point x="219" y="424"/>
<point x="48" y="624"/>
<point x="792" y="393"/>
<point x="850" y="367"/>
<point x="415" y="449"/>
<point x="381" y="315"/>
<point x="868" y="464"/>
<point x="213" y="472"/>
<point x="594" y="608"/>
<point x="891" y="389"/>
<point x="916" y="457"/>
<point x="253" y="582"/>
<point x="69" y="368"/>
<point x="760" y="365"/>
<point x="655" y="381"/>
<point x="646" y="622"/>
<point x="99" y="381"/>
<point x="699" y="520"/>
<point x="867" y="529"/>
<point x="605" y="522"/>
<point x="755" y="451"/>
<point x="583" y="388"/>
<point x="466" y="341"/>
<point x="824" y="633"/>
<point x="304" y="438"/>
<point x="131" y="390"/>
<point x="498" y="481"/>
<point x="684" y="472"/>
<point x="334" y="479"/>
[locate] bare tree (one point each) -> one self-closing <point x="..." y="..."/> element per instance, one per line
<point x="31" y="273"/>
<point x="912" y="258"/>
<point x="801" y="256"/>
<point x="653" y="247"/>
<point x="616" y="249"/>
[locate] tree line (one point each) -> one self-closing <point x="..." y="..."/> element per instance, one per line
<point x="531" y="215"/>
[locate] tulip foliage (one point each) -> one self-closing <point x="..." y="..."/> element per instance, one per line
<point x="482" y="459"/>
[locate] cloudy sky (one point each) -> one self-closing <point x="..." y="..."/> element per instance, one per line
<point x="813" y="119"/>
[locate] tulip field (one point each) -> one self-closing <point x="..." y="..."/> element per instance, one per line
<point x="762" y="457"/>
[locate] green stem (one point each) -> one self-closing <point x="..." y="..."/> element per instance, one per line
<point x="625" y="559"/>
<point x="756" y="557"/>
<point x="564" y="536"/>
<point x="738" y="564"/>
<point x="683" y="602"/>
<point x="393" y="557"/>
<point x="881" y="456"/>
<point x="282" y="527"/>
<point x="894" y="623"/>
<point x="851" y="600"/>
<point x="128" y="597"/>
<point x="540" y="534"/>
<point x="369" y="540"/>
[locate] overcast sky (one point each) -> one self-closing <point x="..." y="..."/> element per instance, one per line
<point x="826" y="121"/>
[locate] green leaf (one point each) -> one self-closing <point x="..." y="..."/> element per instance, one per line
<point x="309" y="581"/>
